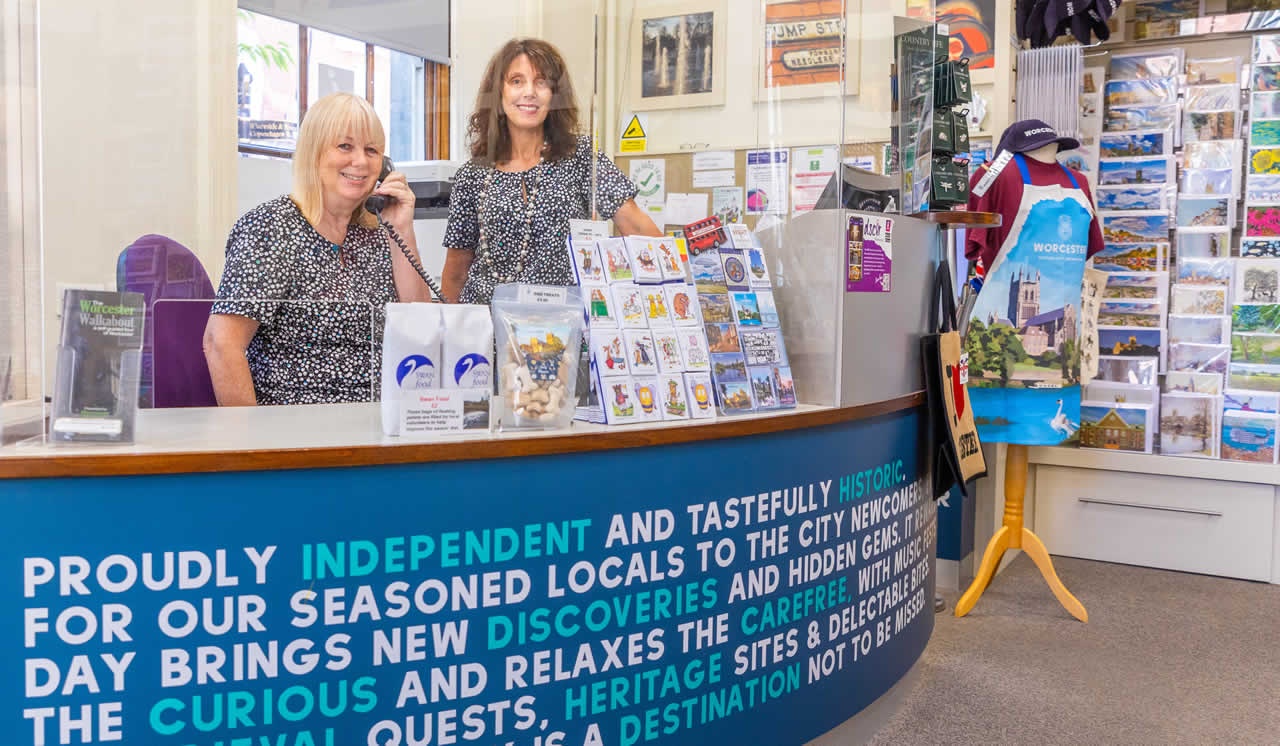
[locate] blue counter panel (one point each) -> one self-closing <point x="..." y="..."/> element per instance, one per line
<point x="753" y="590"/>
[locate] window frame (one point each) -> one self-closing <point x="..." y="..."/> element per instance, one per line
<point x="435" y="100"/>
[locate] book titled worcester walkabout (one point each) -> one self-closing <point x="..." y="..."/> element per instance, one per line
<point x="99" y="357"/>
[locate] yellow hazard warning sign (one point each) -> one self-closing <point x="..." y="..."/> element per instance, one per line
<point x="634" y="139"/>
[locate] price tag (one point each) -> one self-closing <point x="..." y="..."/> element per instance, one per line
<point x="543" y="294"/>
<point x="444" y="411"/>
<point x="989" y="177"/>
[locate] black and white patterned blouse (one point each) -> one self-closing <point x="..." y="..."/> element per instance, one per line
<point x="564" y="194"/>
<point x="308" y="353"/>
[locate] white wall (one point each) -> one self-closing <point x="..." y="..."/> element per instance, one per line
<point x="138" y="125"/>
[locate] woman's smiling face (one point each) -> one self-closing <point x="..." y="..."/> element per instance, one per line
<point x="526" y="95"/>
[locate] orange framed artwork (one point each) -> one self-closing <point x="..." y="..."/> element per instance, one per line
<point x="805" y="42"/>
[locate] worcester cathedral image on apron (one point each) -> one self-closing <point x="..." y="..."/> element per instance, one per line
<point x="1037" y="331"/>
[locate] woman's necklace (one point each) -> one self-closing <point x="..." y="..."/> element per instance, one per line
<point x="486" y="251"/>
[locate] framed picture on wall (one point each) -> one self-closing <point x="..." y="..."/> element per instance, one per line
<point x="802" y="43"/>
<point x="678" y="55"/>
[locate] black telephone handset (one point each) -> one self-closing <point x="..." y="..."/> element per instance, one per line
<point x="375" y="204"/>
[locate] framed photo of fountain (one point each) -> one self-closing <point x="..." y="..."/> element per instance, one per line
<point x="678" y="55"/>
<point x="802" y="45"/>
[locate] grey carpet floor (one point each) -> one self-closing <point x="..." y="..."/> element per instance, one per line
<point x="1166" y="658"/>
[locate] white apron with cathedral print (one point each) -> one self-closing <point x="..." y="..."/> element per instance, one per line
<point x="1023" y="337"/>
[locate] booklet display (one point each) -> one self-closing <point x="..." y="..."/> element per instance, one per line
<point x="95" y="398"/>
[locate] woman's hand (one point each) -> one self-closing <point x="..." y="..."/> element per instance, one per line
<point x="399" y="210"/>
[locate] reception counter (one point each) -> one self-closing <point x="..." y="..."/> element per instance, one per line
<point x="290" y="574"/>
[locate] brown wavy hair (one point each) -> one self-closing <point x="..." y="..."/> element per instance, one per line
<point x="487" y="134"/>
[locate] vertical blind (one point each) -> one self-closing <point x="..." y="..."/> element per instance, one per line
<point x="416" y="27"/>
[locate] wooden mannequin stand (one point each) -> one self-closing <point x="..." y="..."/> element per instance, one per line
<point x="1013" y="535"/>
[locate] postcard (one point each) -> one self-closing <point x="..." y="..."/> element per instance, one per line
<point x="1264" y="161"/>
<point x="1198" y="300"/>
<point x="682" y="304"/>
<point x="768" y="309"/>
<point x="617" y="260"/>
<point x="1211" y="154"/>
<point x="1263" y="318"/>
<point x="1214" y="70"/>
<point x="1116" y="426"/>
<point x="701" y="400"/>
<point x="1142" y="92"/>
<point x="586" y="261"/>
<point x="762" y="388"/>
<point x="746" y="310"/>
<point x="667" y="342"/>
<point x="1204" y="243"/>
<point x="1130" y="313"/>
<point x="716" y="308"/>
<point x="647" y="397"/>
<point x="1158" y="170"/>
<point x="708" y="272"/>
<point x="1199" y="358"/>
<point x="762" y="346"/>
<point x="723" y="338"/>
<point x="734" y="397"/>
<point x="619" y="398"/>
<point x="1265" y="105"/>
<point x="1254" y="377"/>
<point x="1249" y="436"/>
<point x="1133" y="257"/>
<point x="1256" y="281"/>
<point x="693" y="348"/>
<point x="1205" y="330"/>
<point x="1262" y="188"/>
<point x="655" y="306"/>
<point x="1112" y="391"/>
<point x="1259" y="247"/>
<point x="1211" y="97"/>
<point x="599" y="305"/>
<point x="1188" y="425"/>
<point x="1266" y="77"/>
<point x="735" y="269"/>
<point x="741" y="237"/>
<point x="1250" y="401"/>
<point x="1264" y="132"/>
<point x="1129" y="342"/>
<point x="1137" y="285"/>
<point x="641" y="352"/>
<point x="1208" y="181"/>
<point x="785" y="385"/>
<point x="1210" y="125"/>
<point x="1266" y="49"/>
<point x="1133" y="144"/>
<point x="673" y="397"/>
<point x="1255" y="348"/>
<point x="1135" y="228"/>
<point x="758" y="268"/>
<point x="1126" y="118"/>
<point x="728" y="366"/>
<point x="644" y="259"/>
<point x="1192" y="271"/>
<point x="1131" y="370"/>
<point x="609" y="350"/>
<point x="1146" y="65"/>
<point x="669" y="261"/>
<point x="1137" y="197"/>
<point x="1185" y="382"/>
<point x="1206" y="212"/>
<point x="628" y="306"/>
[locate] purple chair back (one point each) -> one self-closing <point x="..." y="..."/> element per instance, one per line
<point x="181" y="373"/>
<point x="161" y="269"/>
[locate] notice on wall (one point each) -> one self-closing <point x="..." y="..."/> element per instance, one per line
<point x="354" y="609"/>
<point x="710" y="179"/>
<point x="683" y="209"/>
<point x="713" y="160"/>
<point x="768" y="173"/>
<point x="726" y="204"/>
<point x="650" y="177"/>
<point x="811" y="170"/>
<point x="869" y="245"/>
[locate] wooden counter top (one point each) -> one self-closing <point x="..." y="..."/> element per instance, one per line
<point x="188" y="441"/>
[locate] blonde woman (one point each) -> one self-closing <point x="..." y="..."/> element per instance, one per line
<point x="317" y="243"/>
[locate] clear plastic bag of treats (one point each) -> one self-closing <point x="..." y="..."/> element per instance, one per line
<point x="538" y="332"/>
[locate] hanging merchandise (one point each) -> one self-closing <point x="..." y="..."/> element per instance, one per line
<point x="1023" y="333"/>
<point x="1043" y="21"/>
<point x="1048" y="86"/>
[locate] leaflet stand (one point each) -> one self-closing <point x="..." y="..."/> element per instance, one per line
<point x="1013" y="535"/>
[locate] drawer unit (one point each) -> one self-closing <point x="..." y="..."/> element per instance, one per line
<point x="1177" y="523"/>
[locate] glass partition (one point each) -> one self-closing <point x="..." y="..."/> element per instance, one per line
<point x="752" y="112"/>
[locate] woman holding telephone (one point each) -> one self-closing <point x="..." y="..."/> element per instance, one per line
<point x="529" y="175"/>
<point x="324" y="254"/>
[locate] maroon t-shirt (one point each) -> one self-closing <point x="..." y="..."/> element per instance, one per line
<point x="1003" y="198"/>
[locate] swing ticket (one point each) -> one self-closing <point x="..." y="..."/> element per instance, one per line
<point x="869" y="251"/>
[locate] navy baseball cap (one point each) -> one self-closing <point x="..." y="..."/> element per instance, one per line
<point x="1033" y="134"/>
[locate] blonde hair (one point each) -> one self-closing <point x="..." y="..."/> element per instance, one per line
<point x="328" y="121"/>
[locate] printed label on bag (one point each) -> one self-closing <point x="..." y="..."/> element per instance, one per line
<point x="964" y="368"/>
